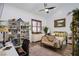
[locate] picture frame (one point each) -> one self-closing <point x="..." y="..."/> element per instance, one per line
<point x="60" y="23"/>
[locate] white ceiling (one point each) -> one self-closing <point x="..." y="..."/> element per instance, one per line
<point x="35" y="7"/>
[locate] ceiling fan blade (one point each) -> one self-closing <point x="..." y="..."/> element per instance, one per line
<point x="50" y="8"/>
<point x="45" y="5"/>
<point x="42" y="10"/>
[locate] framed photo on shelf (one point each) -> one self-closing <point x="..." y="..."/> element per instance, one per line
<point x="60" y="23"/>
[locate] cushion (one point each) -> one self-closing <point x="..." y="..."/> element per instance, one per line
<point x="51" y="38"/>
<point x="60" y="38"/>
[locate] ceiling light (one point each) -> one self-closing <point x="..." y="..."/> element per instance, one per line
<point x="46" y="10"/>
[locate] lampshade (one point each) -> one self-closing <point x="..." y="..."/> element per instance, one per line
<point x="18" y="32"/>
<point x="9" y="33"/>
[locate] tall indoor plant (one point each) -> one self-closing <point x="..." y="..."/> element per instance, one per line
<point x="75" y="19"/>
<point x="45" y="30"/>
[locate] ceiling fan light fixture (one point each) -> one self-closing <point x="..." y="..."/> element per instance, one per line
<point x="46" y="10"/>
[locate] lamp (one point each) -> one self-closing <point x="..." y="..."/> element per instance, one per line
<point x="9" y="33"/>
<point x="18" y="32"/>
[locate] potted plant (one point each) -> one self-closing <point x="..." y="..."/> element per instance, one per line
<point x="73" y="26"/>
<point x="45" y="30"/>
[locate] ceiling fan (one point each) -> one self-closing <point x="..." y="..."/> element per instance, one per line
<point x="46" y="9"/>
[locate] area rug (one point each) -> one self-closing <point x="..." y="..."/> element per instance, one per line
<point x="38" y="50"/>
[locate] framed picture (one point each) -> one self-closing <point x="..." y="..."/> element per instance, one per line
<point x="59" y="23"/>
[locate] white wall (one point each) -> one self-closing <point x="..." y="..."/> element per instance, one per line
<point x="62" y="13"/>
<point x="10" y="12"/>
<point x="1" y="8"/>
<point x="59" y="14"/>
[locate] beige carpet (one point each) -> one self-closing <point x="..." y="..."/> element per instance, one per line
<point x="37" y="50"/>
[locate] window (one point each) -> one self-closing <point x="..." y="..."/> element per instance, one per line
<point x="36" y="26"/>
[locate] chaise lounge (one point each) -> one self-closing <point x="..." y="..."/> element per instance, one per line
<point x="58" y="40"/>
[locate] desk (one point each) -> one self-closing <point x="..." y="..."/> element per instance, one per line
<point x="10" y="52"/>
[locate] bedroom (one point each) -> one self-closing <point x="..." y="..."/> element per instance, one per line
<point x="56" y="20"/>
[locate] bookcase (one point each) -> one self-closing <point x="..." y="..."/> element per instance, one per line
<point x="19" y="31"/>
